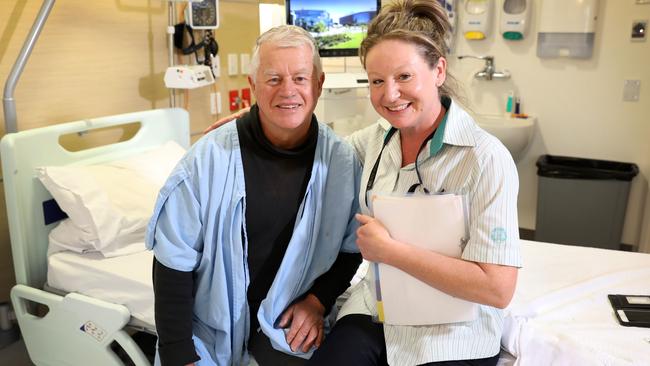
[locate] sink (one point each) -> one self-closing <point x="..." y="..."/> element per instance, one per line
<point x="514" y="133"/>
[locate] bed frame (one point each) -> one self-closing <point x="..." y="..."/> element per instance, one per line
<point x="77" y="329"/>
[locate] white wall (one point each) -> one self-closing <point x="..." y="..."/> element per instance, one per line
<point x="578" y="102"/>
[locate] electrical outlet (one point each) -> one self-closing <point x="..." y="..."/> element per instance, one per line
<point x="245" y="60"/>
<point x="213" y="103"/>
<point x="631" y="89"/>
<point x="218" y="102"/>
<point x="216" y="66"/>
<point x="233" y="64"/>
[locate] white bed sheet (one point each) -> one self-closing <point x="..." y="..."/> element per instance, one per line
<point x="560" y="314"/>
<point x="124" y="280"/>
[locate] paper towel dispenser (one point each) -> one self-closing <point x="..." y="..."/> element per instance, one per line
<point x="567" y="28"/>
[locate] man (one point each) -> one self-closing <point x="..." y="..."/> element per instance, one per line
<point x="253" y="233"/>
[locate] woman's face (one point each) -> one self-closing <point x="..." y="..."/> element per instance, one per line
<point x="403" y="88"/>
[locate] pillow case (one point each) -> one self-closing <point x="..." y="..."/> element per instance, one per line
<point x="108" y="205"/>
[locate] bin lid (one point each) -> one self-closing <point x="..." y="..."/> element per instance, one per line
<point x="580" y="168"/>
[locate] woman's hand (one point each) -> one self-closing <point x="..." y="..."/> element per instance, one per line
<point x="224" y="120"/>
<point x="373" y="240"/>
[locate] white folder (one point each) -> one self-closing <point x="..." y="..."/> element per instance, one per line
<point x="435" y="222"/>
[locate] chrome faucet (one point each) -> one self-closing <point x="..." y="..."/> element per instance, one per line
<point x="488" y="73"/>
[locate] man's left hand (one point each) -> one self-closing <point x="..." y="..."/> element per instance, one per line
<point x="305" y="322"/>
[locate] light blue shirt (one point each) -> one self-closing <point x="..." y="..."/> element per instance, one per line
<point x="199" y="225"/>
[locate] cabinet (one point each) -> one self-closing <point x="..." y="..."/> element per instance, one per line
<point x="345" y="103"/>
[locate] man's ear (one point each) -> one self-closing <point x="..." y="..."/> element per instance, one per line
<point x="251" y="83"/>
<point x="321" y="82"/>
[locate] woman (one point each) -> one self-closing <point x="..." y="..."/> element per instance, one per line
<point x="437" y="146"/>
<point x="404" y="55"/>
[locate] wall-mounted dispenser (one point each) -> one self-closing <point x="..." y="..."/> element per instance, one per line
<point x="514" y="18"/>
<point x="567" y="28"/>
<point x="477" y="15"/>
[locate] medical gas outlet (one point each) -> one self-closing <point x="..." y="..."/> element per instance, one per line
<point x="188" y="77"/>
<point x="233" y="100"/>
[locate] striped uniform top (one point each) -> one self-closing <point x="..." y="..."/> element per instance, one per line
<point x="460" y="157"/>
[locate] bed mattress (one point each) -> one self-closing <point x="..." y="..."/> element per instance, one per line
<point x="124" y="280"/>
<point x="560" y="314"/>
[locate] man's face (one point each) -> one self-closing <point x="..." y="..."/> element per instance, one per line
<point x="287" y="89"/>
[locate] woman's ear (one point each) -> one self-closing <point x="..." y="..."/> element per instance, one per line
<point x="441" y="71"/>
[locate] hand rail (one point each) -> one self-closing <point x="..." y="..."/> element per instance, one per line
<point x="10" y="86"/>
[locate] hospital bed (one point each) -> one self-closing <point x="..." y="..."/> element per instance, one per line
<point x="90" y="301"/>
<point x="559" y="314"/>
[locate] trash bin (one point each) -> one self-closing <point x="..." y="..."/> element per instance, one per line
<point x="582" y="201"/>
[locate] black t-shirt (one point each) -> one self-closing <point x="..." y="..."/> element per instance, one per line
<point x="276" y="181"/>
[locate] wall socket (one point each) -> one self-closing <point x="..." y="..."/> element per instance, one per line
<point x="245" y="61"/>
<point x="216" y="66"/>
<point x="631" y="90"/>
<point x="233" y="64"/>
<point x="215" y="103"/>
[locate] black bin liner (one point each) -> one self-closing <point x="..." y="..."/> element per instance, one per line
<point x="579" y="168"/>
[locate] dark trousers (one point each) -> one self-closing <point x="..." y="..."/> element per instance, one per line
<point x="260" y="347"/>
<point x="358" y="341"/>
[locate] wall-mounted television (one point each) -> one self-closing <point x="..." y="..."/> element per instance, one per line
<point x="338" y="26"/>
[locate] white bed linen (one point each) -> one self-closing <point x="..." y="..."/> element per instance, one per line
<point x="124" y="280"/>
<point x="560" y="314"/>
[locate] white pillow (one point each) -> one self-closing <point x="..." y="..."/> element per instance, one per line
<point x="108" y="204"/>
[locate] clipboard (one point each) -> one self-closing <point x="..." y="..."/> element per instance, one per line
<point x="631" y="310"/>
<point x="437" y="222"/>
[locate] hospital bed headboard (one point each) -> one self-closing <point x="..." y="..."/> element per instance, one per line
<point x="23" y="151"/>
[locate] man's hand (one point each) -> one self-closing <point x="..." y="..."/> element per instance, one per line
<point x="305" y="322"/>
<point x="226" y="119"/>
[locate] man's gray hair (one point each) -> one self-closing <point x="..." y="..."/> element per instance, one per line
<point x="285" y="36"/>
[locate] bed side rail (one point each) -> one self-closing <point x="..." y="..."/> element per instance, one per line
<point x="76" y="330"/>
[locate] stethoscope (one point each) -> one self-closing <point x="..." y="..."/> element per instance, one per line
<point x="373" y="172"/>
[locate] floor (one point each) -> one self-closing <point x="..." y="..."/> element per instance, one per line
<point x="15" y="354"/>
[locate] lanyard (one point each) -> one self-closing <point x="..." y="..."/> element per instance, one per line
<point x="375" y="167"/>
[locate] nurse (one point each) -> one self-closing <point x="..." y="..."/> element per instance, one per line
<point x="434" y="144"/>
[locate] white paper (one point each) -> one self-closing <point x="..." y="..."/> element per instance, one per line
<point x="434" y="222"/>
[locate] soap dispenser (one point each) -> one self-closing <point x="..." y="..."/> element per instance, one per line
<point x="476" y="19"/>
<point x="515" y="16"/>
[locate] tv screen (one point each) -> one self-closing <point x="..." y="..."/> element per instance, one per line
<point x="338" y="26"/>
